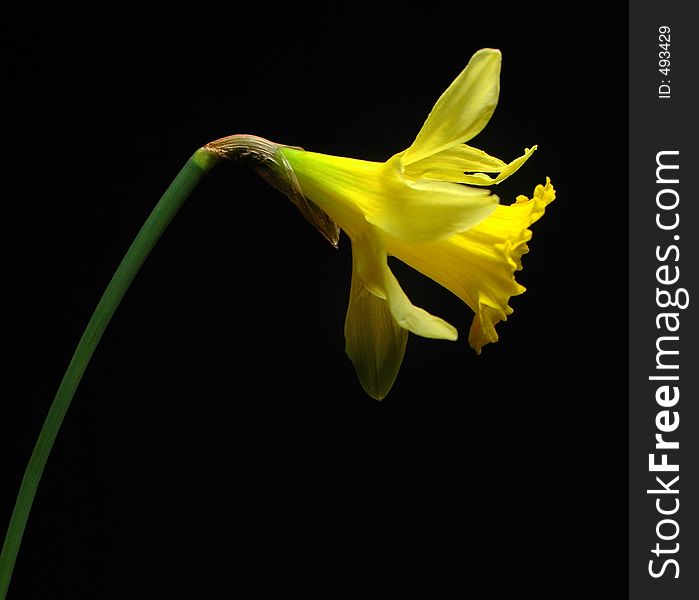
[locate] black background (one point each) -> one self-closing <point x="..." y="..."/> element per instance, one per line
<point x="219" y="441"/>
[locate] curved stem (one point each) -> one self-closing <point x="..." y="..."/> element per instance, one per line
<point x="173" y="198"/>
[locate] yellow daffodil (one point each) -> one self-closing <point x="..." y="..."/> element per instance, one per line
<point x="428" y="207"/>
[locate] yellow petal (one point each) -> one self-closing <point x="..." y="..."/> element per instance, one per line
<point x="456" y="159"/>
<point x="463" y="110"/>
<point x="372" y="267"/>
<point x="373" y="340"/>
<point x="426" y="210"/>
<point x="478" y="265"/>
<point x="461" y="164"/>
<point x="414" y="318"/>
<point x="356" y="192"/>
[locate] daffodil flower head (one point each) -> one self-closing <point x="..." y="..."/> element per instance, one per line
<point x="429" y="207"/>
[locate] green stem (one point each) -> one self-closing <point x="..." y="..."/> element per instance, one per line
<point x="173" y="198"/>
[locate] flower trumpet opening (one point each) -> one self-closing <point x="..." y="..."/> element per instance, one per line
<point x="479" y="265"/>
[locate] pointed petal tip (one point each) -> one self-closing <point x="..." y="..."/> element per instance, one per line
<point x="488" y="54"/>
<point x="492" y="51"/>
<point x="377" y="388"/>
<point x="378" y="396"/>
